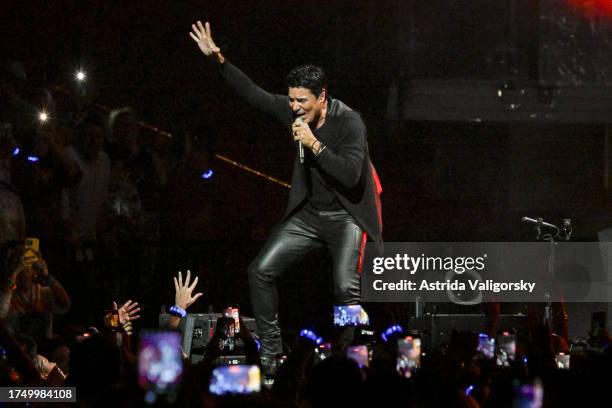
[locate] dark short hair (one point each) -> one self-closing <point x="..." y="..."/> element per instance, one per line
<point x="307" y="76"/>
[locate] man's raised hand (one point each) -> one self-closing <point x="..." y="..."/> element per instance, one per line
<point x="202" y="36"/>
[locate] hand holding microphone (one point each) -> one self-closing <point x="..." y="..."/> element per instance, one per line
<point x="304" y="136"/>
<point x="297" y="128"/>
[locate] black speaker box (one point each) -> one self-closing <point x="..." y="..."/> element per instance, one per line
<point x="437" y="329"/>
<point x="197" y="329"/>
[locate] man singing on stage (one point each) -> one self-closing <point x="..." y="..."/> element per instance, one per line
<point x="334" y="199"/>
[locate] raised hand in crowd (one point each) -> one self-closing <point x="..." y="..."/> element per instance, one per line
<point x="184" y="289"/>
<point x="128" y="312"/>
<point x="183" y="297"/>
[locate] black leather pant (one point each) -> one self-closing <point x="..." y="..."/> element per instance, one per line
<point x="289" y="243"/>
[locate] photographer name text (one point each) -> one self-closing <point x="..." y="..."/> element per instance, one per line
<point x="488" y="285"/>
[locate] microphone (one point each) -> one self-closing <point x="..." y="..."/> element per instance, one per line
<point x="539" y="222"/>
<point x="300" y="121"/>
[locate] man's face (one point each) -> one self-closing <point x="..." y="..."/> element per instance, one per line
<point x="305" y="104"/>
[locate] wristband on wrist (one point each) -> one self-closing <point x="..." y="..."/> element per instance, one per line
<point x="177" y="311"/>
<point x="127" y="327"/>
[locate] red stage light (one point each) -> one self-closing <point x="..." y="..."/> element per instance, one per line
<point x="593" y="8"/>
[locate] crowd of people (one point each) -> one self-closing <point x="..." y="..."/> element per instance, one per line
<point x="103" y="363"/>
<point x="94" y="188"/>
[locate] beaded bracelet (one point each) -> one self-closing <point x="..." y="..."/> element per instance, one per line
<point x="177" y="311"/>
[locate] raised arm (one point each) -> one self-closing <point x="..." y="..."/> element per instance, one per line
<point x="275" y="105"/>
<point x="128" y="312"/>
<point x="55" y="294"/>
<point x="183" y="295"/>
<point x="202" y="36"/>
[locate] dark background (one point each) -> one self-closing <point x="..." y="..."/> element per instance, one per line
<point x="443" y="180"/>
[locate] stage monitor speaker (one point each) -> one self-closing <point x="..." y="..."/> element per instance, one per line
<point x="197" y="329"/>
<point x="437" y="329"/>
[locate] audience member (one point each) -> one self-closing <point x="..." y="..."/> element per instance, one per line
<point x="36" y="297"/>
<point x="82" y="203"/>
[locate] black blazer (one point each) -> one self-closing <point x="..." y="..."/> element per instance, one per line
<point x="346" y="159"/>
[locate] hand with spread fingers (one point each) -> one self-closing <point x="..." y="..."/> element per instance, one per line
<point x="183" y="295"/>
<point x="184" y="289"/>
<point x="201" y="34"/>
<point x="128" y="312"/>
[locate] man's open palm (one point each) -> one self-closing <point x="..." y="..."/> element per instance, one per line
<point x="202" y="36"/>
